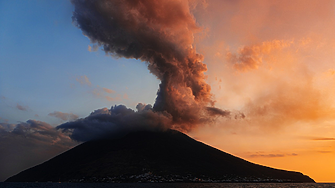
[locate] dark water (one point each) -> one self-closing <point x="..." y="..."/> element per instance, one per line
<point x="167" y="185"/>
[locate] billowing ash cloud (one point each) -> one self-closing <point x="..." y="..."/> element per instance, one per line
<point x="114" y="122"/>
<point x="160" y="33"/>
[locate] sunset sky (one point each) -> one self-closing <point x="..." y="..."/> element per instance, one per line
<point x="272" y="61"/>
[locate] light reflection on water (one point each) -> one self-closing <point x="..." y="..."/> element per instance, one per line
<point x="168" y="185"/>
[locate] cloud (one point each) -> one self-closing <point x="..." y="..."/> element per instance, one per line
<point x="28" y="143"/>
<point x="125" y="96"/>
<point x="108" y="90"/>
<point x="119" y="120"/>
<point x="90" y="49"/>
<point x="21" y="107"/>
<point x="287" y="103"/>
<point x="267" y="155"/>
<point x="216" y="111"/>
<point x="101" y="93"/>
<point x="108" y="98"/>
<point x="270" y="155"/>
<point x="251" y="57"/>
<point x="83" y="80"/>
<point x="115" y="122"/>
<point x="323" y="139"/>
<point x="279" y="50"/>
<point x="3" y="120"/>
<point x="6" y="127"/>
<point x="64" y="116"/>
<point x="160" y="33"/>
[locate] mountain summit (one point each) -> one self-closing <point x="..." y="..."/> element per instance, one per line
<point x="145" y="156"/>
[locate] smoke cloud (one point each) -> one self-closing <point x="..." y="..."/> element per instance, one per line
<point x="161" y="33"/>
<point x="117" y="121"/>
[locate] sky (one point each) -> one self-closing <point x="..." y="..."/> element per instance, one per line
<point x="269" y="66"/>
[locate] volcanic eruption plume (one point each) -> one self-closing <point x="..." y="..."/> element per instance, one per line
<point x="161" y="33"/>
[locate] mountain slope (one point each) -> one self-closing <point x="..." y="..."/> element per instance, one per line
<point x="151" y="156"/>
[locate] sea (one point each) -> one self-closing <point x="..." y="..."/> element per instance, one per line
<point x="166" y="185"/>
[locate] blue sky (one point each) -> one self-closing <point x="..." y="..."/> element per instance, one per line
<point x="43" y="56"/>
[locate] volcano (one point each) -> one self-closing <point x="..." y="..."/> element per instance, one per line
<point x="146" y="156"/>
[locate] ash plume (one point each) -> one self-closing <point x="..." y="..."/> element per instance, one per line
<point x="117" y="121"/>
<point x="161" y="33"/>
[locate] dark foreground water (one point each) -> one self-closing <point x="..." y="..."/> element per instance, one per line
<point x="167" y="185"/>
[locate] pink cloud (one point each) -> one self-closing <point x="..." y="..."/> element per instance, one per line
<point x="251" y="57"/>
<point x="108" y="98"/>
<point x="125" y="96"/>
<point x="108" y="90"/>
<point x="63" y="116"/>
<point x="83" y="80"/>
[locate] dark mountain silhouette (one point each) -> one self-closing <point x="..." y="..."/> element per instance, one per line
<point x="152" y="156"/>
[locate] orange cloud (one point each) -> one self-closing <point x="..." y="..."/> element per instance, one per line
<point x="251" y="57"/>
<point x="284" y="54"/>
<point x="108" y="98"/>
<point x="125" y="96"/>
<point x="286" y="104"/>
